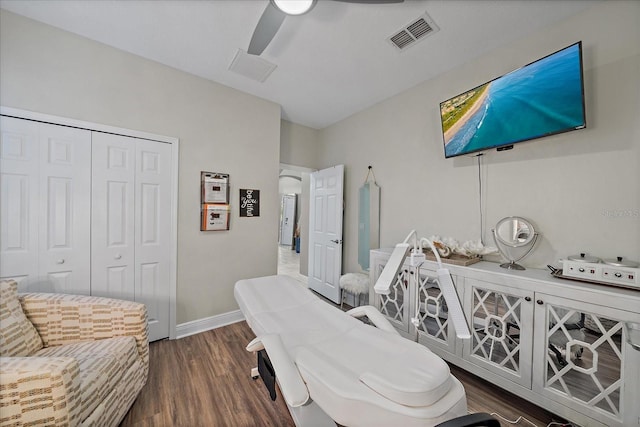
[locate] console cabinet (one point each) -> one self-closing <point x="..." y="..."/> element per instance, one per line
<point x="572" y="348"/>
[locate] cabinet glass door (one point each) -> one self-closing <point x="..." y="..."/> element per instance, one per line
<point x="581" y="356"/>
<point x="501" y="336"/>
<point x="434" y="327"/>
<point x="396" y="305"/>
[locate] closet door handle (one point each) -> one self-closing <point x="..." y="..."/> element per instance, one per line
<point x="118" y="256"/>
<point x="527" y="299"/>
<point x="60" y="261"/>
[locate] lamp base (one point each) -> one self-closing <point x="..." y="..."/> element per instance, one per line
<point x="512" y="266"/>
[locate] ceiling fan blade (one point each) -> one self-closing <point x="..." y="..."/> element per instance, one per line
<point x="371" y="1"/>
<point x="267" y="27"/>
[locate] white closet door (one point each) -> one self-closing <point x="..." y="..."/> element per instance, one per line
<point x="131" y="205"/>
<point x="65" y="185"/>
<point x="112" y="207"/>
<point x="152" y="233"/>
<point x="19" y="200"/>
<point x="46" y="178"/>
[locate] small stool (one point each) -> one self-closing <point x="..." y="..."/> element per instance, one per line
<point x="356" y="284"/>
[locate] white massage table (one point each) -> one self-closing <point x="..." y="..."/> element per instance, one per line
<point x="356" y="374"/>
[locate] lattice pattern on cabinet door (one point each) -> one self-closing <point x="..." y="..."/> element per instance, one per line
<point x="433" y="314"/>
<point x="392" y="305"/>
<point x="585" y="364"/>
<point x="497" y="324"/>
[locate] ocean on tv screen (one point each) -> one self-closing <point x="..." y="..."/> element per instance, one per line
<point x="543" y="98"/>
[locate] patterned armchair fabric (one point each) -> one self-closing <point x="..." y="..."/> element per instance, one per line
<point x="93" y="360"/>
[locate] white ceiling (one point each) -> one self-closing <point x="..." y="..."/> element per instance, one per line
<point x="332" y="62"/>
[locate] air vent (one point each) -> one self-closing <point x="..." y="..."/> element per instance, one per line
<point x="251" y="66"/>
<point x="418" y="29"/>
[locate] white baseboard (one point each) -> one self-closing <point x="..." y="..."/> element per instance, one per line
<point x="208" y="323"/>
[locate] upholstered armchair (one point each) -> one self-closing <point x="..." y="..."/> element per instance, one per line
<point x="69" y="360"/>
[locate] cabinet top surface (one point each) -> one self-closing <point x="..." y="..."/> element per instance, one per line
<point x="484" y="269"/>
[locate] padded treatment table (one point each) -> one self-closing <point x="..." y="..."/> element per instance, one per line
<point x="358" y="374"/>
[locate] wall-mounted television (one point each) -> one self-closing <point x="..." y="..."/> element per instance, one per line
<point x="542" y="98"/>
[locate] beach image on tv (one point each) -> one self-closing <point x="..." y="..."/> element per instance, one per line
<point x="542" y="98"/>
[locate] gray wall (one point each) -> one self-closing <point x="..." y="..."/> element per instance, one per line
<point x="582" y="189"/>
<point x="50" y="71"/>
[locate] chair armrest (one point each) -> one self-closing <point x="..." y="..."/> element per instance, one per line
<point x="40" y="390"/>
<point x="67" y="319"/>
<point x="292" y="385"/>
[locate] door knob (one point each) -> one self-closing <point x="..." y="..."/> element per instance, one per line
<point x="60" y="261"/>
<point x="118" y="256"/>
<point x="336" y="241"/>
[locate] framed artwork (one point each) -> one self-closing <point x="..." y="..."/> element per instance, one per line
<point x="215" y="187"/>
<point x="249" y="203"/>
<point x="215" y="217"/>
<point x="214" y="201"/>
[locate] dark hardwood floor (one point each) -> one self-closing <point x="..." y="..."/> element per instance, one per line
<point x="204" y="380"/>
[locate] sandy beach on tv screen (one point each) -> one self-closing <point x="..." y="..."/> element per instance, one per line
<point x="450" y="133"/>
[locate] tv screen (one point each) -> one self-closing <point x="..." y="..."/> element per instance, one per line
<point x="543" y="98"/>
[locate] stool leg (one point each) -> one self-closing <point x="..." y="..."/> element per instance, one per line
<point x="341" y="299"/>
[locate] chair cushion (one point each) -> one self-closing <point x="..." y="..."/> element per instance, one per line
<point x="18" y="336"/>
<point x="102" y="364"/>
<point x="355" y="283"/>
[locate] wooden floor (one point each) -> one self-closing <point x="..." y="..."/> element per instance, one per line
<point x="204" y="380"/>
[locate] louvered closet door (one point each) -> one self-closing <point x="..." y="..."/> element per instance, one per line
<point x="46" y="180"/>
<point x="112" y="234"/>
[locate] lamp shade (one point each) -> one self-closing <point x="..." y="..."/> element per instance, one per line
<point x="294" y="7"/>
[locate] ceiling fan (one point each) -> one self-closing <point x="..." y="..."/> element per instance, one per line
<point x="277" y="10"/>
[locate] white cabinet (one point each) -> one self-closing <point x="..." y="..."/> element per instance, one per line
<point x="434" y="328"/>
<point x="583" y="359"/>
<point x="88" y="212"/>
<point x="563" y="345"/>
<point x="396" y="305"/>
<point x="45" y="211"/>
<point x="502" y="329"/>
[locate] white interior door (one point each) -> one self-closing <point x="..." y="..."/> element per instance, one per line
<point x="131" y="242"/>
<point x="152" y="233"/>
<point x="65" y="185"/>
<point x="19" y="155"/>
<point x="112" y="231"/>
<point x="288" y="219"/>
<point x="46" y="216"/>
<point x="325" y="231"/>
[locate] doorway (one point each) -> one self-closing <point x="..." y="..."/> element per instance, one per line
<point x="293" y="256"/>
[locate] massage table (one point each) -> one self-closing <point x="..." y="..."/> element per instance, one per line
<point x="333" y="367"/>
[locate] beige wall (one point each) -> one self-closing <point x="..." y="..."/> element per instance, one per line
<point x="299" y="145"/>
<point x="55" y="72"/>
<point x="582" y="189"/>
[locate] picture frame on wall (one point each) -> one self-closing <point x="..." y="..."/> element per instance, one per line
<point x="215" y="217"/>
<point x="215" y="211"/>
<point x="249" y="203"/>
<point x="214" y="187"/>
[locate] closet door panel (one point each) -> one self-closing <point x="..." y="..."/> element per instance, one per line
<point x="153" y="223"/>
<point x="19" y="201"/>
<point x="65" y="209"/>
<point x="112" y="244"/>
